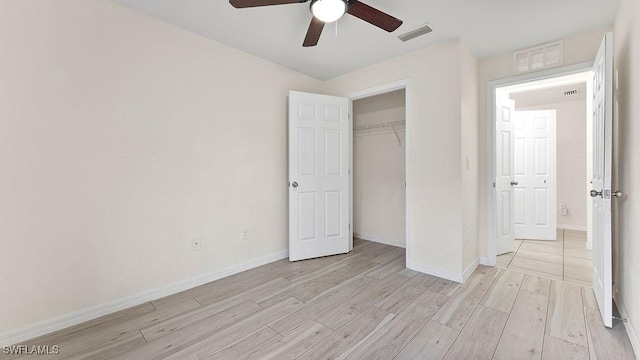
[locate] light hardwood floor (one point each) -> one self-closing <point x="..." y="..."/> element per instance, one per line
<point x="361" y="305"/>
<point x="566" y="259"/>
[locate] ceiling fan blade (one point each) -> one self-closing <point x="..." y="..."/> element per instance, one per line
<point x="313" y="34"/>
<point x="373" y="16"/>
<point x="253" y="3"/>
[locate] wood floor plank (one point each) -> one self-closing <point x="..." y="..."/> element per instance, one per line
<point x="565" y="316"/>
<point x="524" y="333"/>
<point x="107" y="350"/>
<point x="589" y="298"/>
<point x="577" y="273"/>
<point x="316" y="308"/>
<point x="244" y="347"/>
<point x="106" y="321"/>
<point x="341" y="343"/>
<point x="537" y="265"/>
<point x="607" y="343"/>
<point x="556" y="349"/>
<point x="388" y="341"/>
<point x="195" y="331"/>
<point x="390" y="256"/>
<point x="478" y="340"/>
<point x="445" y="287"/>
<point x="213" y="342"/>
<point x="430" y="343"/>
<point x="527" y="245"/>
<point x="557" y="243"/>
<point x="309" y="287"/>
<point x="534" y="272"/>
<point x="504" y="260"/>
<point x="540" y="256"/>
<point x="387" y="269"/>
<point x="579" y="253"/>
<point x="503" y="292"/>
<point x="165" y="327"/>
<point x="299" y="341"/>
<point x="406" y="293"/>
<point x="119" y="332"/>
<point x="338" y="316"/>
<point x="536" y="285"/>
<point x="463" y="303"/>
<point x="408" y="272"/>
<point x="578" y="262"/>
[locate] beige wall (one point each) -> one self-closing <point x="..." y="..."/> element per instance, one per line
<point x="379" y="170"/>
<point x="121" y="138"/>
<point x="470" y="161"/>
<point x="626" y="168"/>
<point x="571" y="158"/>
<point x="577" y="49"/>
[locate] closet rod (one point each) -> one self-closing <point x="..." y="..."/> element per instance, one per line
<point x="380" y="126"/>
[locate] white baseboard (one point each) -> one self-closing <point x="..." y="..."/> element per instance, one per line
<point x="378" y="239"/>
<point x="467" y="272"/>
<point x="571" y="227"/>
<point x="94" y="312"/>
<point x="430" y="270"/>
<point x="630" y="327"/>
<point x="486" y="262"/>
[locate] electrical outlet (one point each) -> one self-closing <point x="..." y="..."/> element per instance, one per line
<point x="244" y="235"/>
<point x="196" y="243"/>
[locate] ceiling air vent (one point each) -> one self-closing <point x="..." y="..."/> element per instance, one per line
<point x="538" y="58"/>
<point x="424" y="29"/>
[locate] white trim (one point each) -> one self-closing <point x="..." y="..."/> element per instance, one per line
<point x="77" y="317"/>
<point x="398" y="243"/>
<point x="378" y="90"/>
<point x="469" y="270"/>
<point x="628" y="325"/>
<point x="490" y="121"/>
<point x="430" y="270"/>
<point x="485" y="261"/>
<point x="572" y="227"/>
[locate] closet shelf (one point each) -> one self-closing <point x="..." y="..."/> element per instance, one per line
<point x="381" y="126"/>
<point x="387" y="127"/>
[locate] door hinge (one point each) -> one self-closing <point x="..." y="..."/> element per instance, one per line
<point x="349" y="171"/>
<point x="494" y="184"/>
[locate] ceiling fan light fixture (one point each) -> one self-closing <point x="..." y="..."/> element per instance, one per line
<point x="328" y="10"/>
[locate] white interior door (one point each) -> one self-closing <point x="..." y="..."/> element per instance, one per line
<point x="318" y="176"/>
<point x="601" y="188"/>
<point x="505" y="181"/>
<point x="535" y="173"/>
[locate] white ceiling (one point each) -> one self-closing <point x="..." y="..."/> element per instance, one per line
<point x="275" y="33"/>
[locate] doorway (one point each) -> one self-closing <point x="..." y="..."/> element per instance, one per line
<point x="380" y="143"/>
<point x="379" y="199"/>
<point x="551" y="168"/>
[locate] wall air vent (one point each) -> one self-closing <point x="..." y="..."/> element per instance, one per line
<point x="571" y="92"/>
<point x="424" y="29"/>
<point x="538" y="58"/>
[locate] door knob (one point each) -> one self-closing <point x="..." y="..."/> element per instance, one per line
<point x="514" y="183"/>
<point x="619" y="194"/>
<point x="595" y="193"/>
<point x="294" y="184"/>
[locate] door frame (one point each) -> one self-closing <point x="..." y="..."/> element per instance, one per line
<point x="490" y="256"/>
<point x="379" y="90"/>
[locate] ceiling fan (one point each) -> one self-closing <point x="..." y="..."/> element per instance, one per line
<point x="325" y="11"/>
